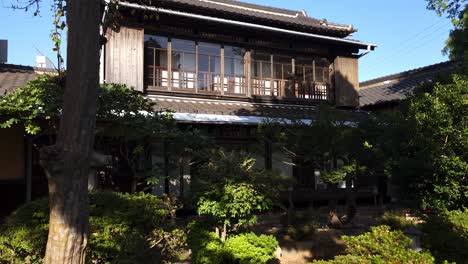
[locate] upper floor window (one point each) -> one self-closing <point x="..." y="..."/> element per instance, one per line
<point x="156" y="73"/>
<point x="197" y="66"/>
<point x="209" y="67"/>
<point x="234" y="70"/>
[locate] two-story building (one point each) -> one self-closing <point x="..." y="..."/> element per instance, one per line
<point x="225" y="66"/>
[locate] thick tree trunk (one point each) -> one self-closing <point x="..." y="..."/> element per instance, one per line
<point x="67" y="162"/>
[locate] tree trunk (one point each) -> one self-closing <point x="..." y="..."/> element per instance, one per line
<point x="167" y="189"/>
<point x="67" y="162"/>
<point x="224" y="233"/>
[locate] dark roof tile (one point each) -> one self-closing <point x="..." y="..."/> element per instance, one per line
<point x="15" y="76"/>
<point x="240" y="10"/>
<point x="242" y="109"/>
<point x="398" y="86"/>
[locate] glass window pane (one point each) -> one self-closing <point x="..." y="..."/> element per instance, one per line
<point x="189" y="62"/>
<point x="299" y="72"/>
<point x="287" y="71"/>
<point x="229" y="67"/>
<point x="278" y="71"/>
<point x="209" y="48"/>
<point x="156" y="41"/>
<point x="215" y="64"/>
<point x="177" y="58"/>
<point x="266" y="70"/>
<point x="183" y="45"/>
<point x="234" y="52"/>
<point x="149" y="56"/>
<point x="203" y="63"/>
<point x="161" y="58"/>
<point x="255" y="71"/>
<point x="239" y="67"/>
<point x="309" y="73"/>
<point x="321" y="74"/>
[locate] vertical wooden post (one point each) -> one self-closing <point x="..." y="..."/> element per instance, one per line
<point x="196" y="67"/>
<point x="313" y="71"/>
<point x="247" y="72"/>
<point x="169" y="65"/>
<point x="154" y="68"/>
<point x="272" y="82"/>
<point x="294" y="80"/>
<point x="222" y="70"/>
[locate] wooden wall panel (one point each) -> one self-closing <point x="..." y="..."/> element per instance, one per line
<point x="12" y="156"/>
<point x="124" y="57"/>
<point x="346" y="82"/>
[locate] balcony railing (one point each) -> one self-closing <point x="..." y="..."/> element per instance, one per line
<point x="210" y="83"/>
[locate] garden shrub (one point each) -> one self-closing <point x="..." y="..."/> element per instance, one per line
<point x="119" y="224"/>
<point x="246" y="248"/>
<point x="381" y="245"/>
<point x="206" y="247"/>
<point x="447" y="236"/>
<point x="395" y="221"/>
<point x="249" y="248"/>
<point x="301" y="225"/>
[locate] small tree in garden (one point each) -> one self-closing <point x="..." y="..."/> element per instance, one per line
<point x="232" y="191"/>
<point x="433" y="154"/>
<point x="127" y="121"/>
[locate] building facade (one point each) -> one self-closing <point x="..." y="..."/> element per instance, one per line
<point x="226" y="66"/>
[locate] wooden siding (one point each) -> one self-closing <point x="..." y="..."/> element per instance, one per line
<point x="346" y="82"/>
<point x="12" y="159"/>
<point x="124" y="57"/>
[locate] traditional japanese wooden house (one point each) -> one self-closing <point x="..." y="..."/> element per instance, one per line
<point x="225" y="65"/>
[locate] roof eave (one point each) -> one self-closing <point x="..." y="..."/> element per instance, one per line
<point x="358" y="44"/>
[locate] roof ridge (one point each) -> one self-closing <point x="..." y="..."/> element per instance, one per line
<point x="15" y="66"/>
<point x="421" y="70"/>
<point x="253" y="6"/>
<point x="272" y="9"/>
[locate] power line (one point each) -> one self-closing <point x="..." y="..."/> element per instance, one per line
<point x="370" y="72"/>
<point x="407" y="46"/>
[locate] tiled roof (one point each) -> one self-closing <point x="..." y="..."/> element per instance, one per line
<point x="398" y="86"/>
<point x="256" y="111"/>
<point x="220" y="107"/>
<point x="242" y="11"/>
<point x="15" y="76"/>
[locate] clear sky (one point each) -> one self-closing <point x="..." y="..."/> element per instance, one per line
<point x="408" y="35"/>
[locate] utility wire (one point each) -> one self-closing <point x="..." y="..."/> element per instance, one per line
<point x="430" y="41"/>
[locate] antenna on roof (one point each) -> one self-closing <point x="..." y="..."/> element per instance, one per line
<point x="43" y="61"/>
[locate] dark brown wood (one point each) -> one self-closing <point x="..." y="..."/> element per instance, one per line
<point x="67" y="162"/>
<point x="346" y="82"/>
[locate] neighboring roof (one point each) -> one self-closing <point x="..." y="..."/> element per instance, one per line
<point x="15" y="76"/>
<point x="397" y="87"/>
<point x="282" y="18"/>
<point x="195" y="110"/>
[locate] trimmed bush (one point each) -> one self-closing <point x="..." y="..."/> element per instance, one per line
<point x="206" y="247"/>
<point x="395" y="221"/>
<point x="119" y="225"/>
<point x="381" y="245"/>
<point x="447" y="236"/>
<point x="251" y="249"/>
<point x="246" y="248"/>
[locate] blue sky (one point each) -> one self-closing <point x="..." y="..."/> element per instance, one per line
<point x="408" y="35"/>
